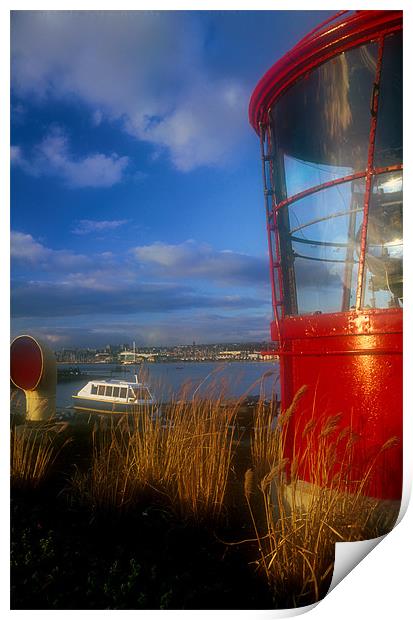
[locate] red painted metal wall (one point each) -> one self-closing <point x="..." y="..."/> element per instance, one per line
<point x="351" y="364"/>
<point x="350" y="361"/>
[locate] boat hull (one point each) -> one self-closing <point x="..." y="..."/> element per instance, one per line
<point x="101" y="406"/>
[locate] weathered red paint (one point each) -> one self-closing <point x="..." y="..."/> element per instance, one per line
<point x="369" y="177"/>
<point x="351" y="362"/>
<point x="26" y="362"/>
<point x="358" y="28"/>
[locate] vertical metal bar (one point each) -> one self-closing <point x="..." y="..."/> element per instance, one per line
<point x="284" y="364"/>
<point x="348" y="270"/>
<point x="370" y="169"/>
<point x="275" y="221"/>
<point x="268" y="213"/>
<point x="285" y="257"/>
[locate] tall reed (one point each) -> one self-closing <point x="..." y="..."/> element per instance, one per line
<point x="33" y="452"/>
<point x="106" y="486"/>
<point x="300" y="522"/>
<point x="198" y="454"/>
<point x="183" y="456"/>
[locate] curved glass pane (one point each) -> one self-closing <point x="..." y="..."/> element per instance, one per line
<point x="389" y="131"/>
<point x="320" y="249"/>
<point x="321" y="124"/>
<point x="383" y="285"/>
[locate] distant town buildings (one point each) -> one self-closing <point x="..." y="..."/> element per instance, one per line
<point x="127" y="354"/>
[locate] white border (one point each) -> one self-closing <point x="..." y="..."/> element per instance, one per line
<point x="380" y="585"/>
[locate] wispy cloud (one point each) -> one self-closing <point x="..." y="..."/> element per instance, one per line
<point x="198" y="265"/>
<point x="155" y="279"/>
<point x="26" y="250"/>
<point x="169" y="330"/>
<point x="52" y="157"/>
<point x="16" y="156"/>
<point x="54" y="299"/>
<point x="200" y="260"/>
<point x="156" y="262"/>
<point x="147" y="70"/>
<point x="85" y="227"/>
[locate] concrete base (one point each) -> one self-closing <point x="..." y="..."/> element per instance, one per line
<point x="303" y="498"/>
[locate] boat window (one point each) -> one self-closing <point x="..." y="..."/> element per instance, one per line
<point x="116" y="392"/>
<point x="101" y="390"/>
<point x="108" y="390"/>
<point x="94" y="389"/>
<point x="123" y="392"/>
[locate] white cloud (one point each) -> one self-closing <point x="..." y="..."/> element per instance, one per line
<point x="15" y="154"/>
<point x="97" y="118"/>
<point x="40" y="298"/>
<point x="52" y="157"/>
<point x="25" y="249"/>
<point x="202" y="130"/>
<point x="158" y="278"/>
<point x="85" y="227"/>
<point x="146" y="69"/>
<point x="200" y="260"/>
<point x="156" y="264"/>
<point x="168" y="255"/>
<point x="95" y="171"/>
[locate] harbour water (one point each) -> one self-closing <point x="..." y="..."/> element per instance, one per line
<point x="175" y="380"/>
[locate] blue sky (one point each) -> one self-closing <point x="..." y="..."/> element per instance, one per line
<point x="136" y="195"/>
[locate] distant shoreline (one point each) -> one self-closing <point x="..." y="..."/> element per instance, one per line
<point x="178" y="361"/>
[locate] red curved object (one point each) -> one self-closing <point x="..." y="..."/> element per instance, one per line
<point x="310" y="52"/>
<point x="26" y="362"/>
<point x="351" y="364"/>
<point x="350" y="361"/>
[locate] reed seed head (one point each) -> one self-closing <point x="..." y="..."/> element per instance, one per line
<point x="249" y="483"/>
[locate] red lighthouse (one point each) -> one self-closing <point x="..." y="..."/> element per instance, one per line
<point x="329" y="117"/>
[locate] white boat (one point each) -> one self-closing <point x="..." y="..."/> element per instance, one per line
<point x="113" y="397"/>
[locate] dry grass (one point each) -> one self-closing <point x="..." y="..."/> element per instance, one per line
<point x="298" y="524"/>
<point x="106" y="485"/>
<point x="198" y="452"/>
<point x="184" y="456"/>
<point x="33" y="452"/>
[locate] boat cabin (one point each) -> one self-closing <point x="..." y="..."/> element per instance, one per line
<point x="124" y="392"/>
<point x="113" y="397"/>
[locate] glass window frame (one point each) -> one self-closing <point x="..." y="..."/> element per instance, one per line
<point x="284" y="295"/>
